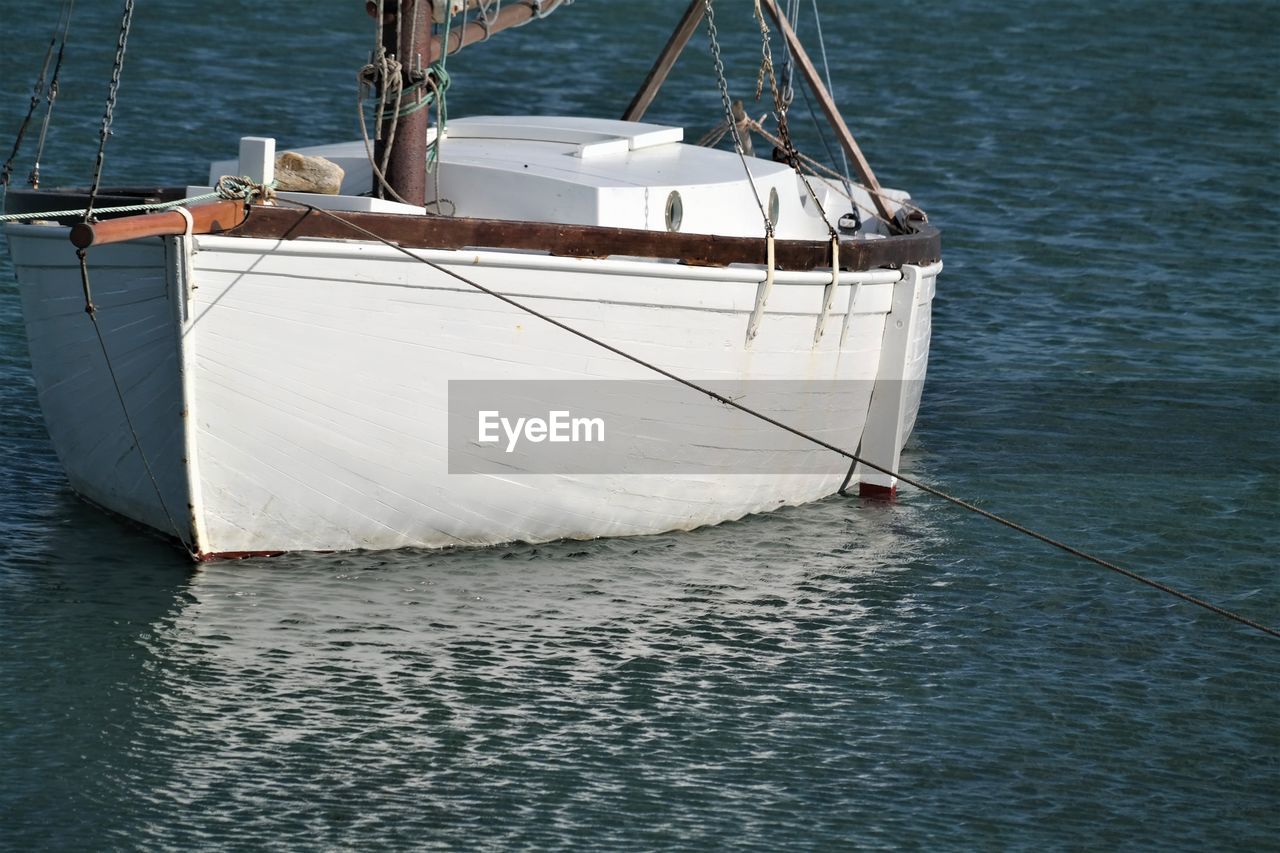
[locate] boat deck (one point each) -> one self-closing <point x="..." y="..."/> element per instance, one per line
<point x="581" y="171"/>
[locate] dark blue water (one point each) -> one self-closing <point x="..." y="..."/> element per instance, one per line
<point x="842" y="675"/>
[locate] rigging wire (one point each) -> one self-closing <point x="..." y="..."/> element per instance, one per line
<point x="826" y="73"/>
<point x="793" y="15"/>
<point x="59" y="40"/>
<point x="52" y="96"/>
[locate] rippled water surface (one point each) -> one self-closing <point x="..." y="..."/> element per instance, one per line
<point x="840" y="675"/>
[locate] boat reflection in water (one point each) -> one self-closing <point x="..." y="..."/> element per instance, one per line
<point x="383" y="684"/>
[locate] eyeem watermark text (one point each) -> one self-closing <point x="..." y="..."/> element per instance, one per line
<point x="558" y="427"/>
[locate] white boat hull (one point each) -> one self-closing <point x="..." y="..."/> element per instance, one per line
<point x="294" y="396"/>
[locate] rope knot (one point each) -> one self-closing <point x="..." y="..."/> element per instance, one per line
<point x="231" y="187"/>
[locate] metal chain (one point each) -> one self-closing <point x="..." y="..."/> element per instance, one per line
<point x="126" y="20"/>
<point x="789" y="149"/>
<point x="714" y="37"/>
<point x="826" y="72"/>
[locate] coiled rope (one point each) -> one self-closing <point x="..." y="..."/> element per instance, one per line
<point x="385" y="75"/>
<point x="853" y="457"/>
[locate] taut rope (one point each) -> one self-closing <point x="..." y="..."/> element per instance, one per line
<point x="910" y="481"/>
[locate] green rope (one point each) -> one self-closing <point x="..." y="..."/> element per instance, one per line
<point x="442" y="83"/>
<point x="422" y="94"/>
<point x="442" y="113"/>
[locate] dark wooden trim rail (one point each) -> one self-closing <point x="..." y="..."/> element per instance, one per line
<point x="921" y="246"/>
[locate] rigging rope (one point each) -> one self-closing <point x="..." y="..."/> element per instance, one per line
<point x="385" y="74"/>
<point x="728" y="401"/>
<point x="59" y="40"/>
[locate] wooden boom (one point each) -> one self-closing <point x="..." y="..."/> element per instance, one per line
<point x="513" y="15"/>
<point x="210" y="218"/>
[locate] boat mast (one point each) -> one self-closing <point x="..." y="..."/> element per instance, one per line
<point x="406" y="35"/>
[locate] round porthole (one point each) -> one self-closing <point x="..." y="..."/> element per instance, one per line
<point x="774" y="204"/>
<point x="675" y="211"/>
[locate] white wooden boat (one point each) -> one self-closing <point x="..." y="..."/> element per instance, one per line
<point x="273" y="378"/>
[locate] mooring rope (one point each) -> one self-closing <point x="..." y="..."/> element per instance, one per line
<point x="910" y="481"/>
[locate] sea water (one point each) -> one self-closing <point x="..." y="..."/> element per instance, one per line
<point x="835" y="676"/>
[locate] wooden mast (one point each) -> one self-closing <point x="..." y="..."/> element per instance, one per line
<point x="658" y="73"/>
<point x="406" y="35"/>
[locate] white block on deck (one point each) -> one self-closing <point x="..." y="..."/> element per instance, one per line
<point x="257" y="159"/>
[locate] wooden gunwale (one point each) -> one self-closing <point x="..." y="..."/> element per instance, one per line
<point x="922" y="245"/>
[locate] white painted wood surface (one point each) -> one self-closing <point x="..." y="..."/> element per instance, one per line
<point x="315" y="379"/>
<point x="321" y="375"/>
<point x="77" y="396"/>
